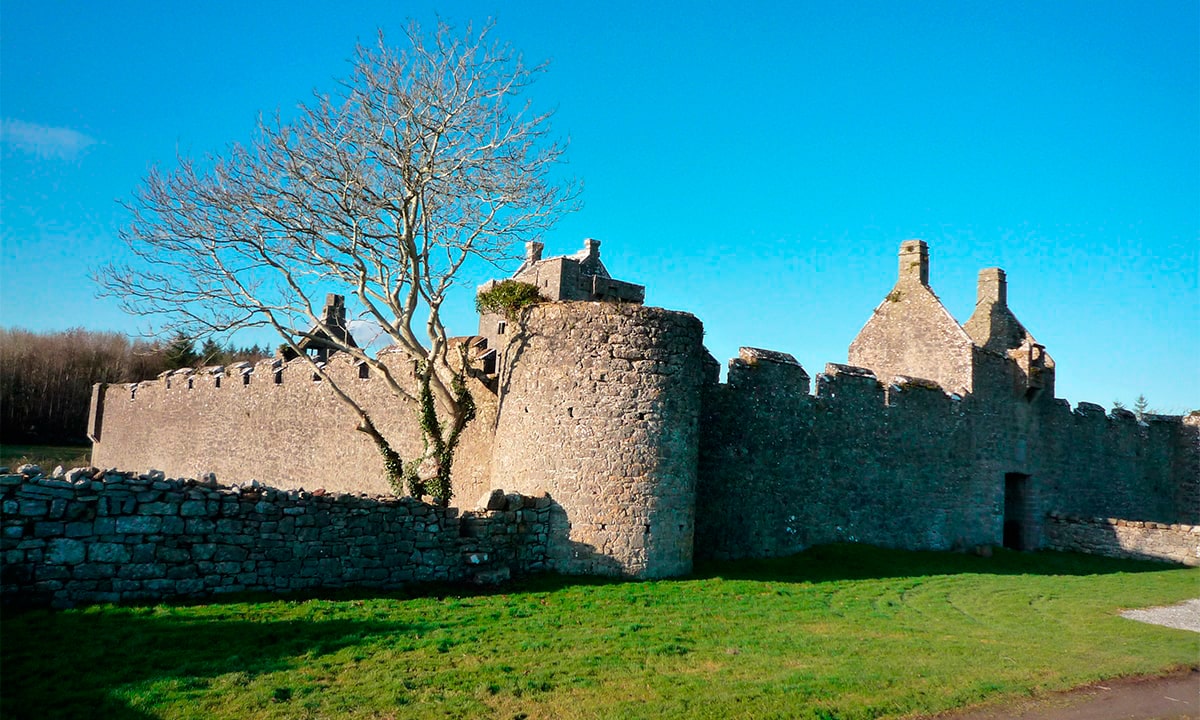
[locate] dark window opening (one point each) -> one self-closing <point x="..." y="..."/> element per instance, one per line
<point x="364" y="371"/>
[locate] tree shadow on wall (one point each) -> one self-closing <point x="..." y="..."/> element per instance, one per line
<point x="69" y="665"/>
<point x="511" y="353"/>
<point x="847" y="561"/>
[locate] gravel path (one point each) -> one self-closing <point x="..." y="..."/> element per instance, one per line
<point x="1185" y="615"/>
<point x="1171" y="697"/>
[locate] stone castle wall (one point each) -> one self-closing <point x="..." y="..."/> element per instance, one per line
<point x="133" y="539"/>
<point x="1093" y="464"/>
<point x="906" y="465"/>
<point x="782" y="470"/>
<point x="276" y="424"/>
<point x="615" y="411"/>
<point x="1114" y="537"/>
<point x="600" y="408"/>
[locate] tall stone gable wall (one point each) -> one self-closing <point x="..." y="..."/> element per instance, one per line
<point x="600" y="408"/>
<point x="911" y="333"/>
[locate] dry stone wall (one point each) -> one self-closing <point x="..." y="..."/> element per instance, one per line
<point x="1114" y="537"/>
<point x="117" y="538"/>
<point x="600" y="408"/>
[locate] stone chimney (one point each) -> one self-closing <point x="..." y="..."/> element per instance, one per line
<point x="335" y="311"/>
<point x="914" y="262"/>
<point x="592" y="247"/>
<point x="533" y="251"/>
<point x="993" y="287"/>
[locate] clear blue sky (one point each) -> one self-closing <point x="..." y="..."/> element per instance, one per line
<point x="757" y="167"/>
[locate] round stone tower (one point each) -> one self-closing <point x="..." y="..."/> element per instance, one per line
<point x="599" y="407"/>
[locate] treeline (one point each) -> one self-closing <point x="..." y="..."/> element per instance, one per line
<point x="46" y="378"/>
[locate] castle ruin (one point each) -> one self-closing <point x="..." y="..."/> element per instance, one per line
<point x="935" y="435"/>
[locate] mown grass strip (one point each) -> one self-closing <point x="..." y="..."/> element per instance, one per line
<point x="836" y="632"/>
<point x="47" y="456"/>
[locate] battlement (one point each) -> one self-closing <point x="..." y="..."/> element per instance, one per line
<point x="276" y="421"/>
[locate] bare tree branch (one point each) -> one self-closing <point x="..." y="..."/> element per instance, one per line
<point x="425" y="158"/>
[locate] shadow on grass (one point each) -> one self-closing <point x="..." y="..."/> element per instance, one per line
<point x="65" y="665"/>
<point x="827" y="563"/>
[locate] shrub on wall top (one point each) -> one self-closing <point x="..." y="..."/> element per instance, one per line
<point x="508" y="298"/>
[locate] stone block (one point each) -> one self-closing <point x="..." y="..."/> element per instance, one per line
<point x="139" y="524"/>
<point x="492" y="500"/>
<point x="34" y="508"/>
<point x="141" y="571"/>
<point x="79" y="529"/>
<point x="199" y="526"/>
<point x="225" y="553"/>
<point x="193" y="508"/>
<point x="48" y="529"/>
<point x="52" y="572"/>
<point x="108" y="552"/>
<point x="190" y="586"/>
<point x="143" y="552"/>
<point x="172" y="555"/>
<point x="94" y="571"/>
<point x="65" y="551"/>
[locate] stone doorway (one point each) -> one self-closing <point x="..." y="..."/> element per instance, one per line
<point x="1016" y="511"/>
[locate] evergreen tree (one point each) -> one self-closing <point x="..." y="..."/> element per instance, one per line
<point x="180" y="352"/>
<point x="1141" y="406"/>
<point x="211" y="353"/>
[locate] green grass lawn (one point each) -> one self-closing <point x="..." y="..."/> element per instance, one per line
<point x="836" y="632"/>
<point x="46" y="456"/>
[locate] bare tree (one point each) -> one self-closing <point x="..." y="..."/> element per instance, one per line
<point x="426" y="159"/>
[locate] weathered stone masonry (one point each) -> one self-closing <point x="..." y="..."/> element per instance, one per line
<point x="938" y="436"/>
<point x="119" y="538"/>
<point x="272" y="421"/>
<point x="1114" y="537"/>
<point x="600" y="407"/>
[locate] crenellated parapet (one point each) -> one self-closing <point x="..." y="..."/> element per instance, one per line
<point x="275" y="421"/>
<point x="899" y="461"/>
